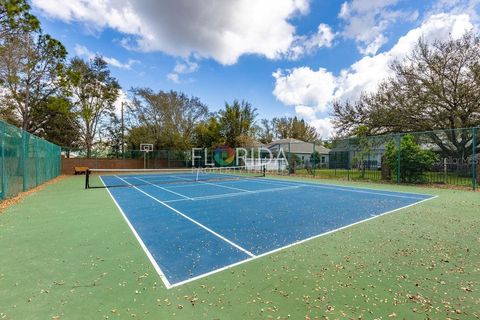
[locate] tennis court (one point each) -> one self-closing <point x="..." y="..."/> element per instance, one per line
<point x="191" y="225"/>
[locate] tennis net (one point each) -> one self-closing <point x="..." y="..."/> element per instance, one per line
<point x="105" y="178"/>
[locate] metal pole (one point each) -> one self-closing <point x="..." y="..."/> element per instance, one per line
<point x="288" y="160"/>
<point x="398" y="158"/>
<point x="348" y="160"/>
<point x="314" y="154"/>
<point x="24" y="162"/>
<point x="123" y="135"/>
<point x="474" y="158"/>
<point x="445" y="170"/>
<point x="4" y="194"/>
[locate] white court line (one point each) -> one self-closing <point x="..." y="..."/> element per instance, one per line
<point x="157" y="268"/>
<point x="227" y="187"/>
<point x="295" y="243"/>
<point x="253" y="257"/>
<point x="191" y="220"/>
<point x="313" y="181"/>
<point x="339" y="188"/>
<point x="234" y="194"/>
<point x="214" y="184"/>
<point x="168" y="190"/>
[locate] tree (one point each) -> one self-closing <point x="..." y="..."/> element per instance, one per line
<point x="15" y="19"/>
<point x="168" y="118"/>
<point x="295" y="129"/>
<point x="31" y="71"/>
<point x="138" y="135"/>
<point x="207" y="133"/>
<point x="111" y="133"/>
<point x="437" y="86"/>
<point x="237" y="123"/>
<point x="315" y="159"/>
<point x="413" y="160"/>
<point x="364" y="147"/>
<point x="265" y="131"/>
<point x="93" y="91"/>
<point x="61" y="126"/>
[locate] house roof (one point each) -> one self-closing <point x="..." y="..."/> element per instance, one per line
<point x="297" y="146"/>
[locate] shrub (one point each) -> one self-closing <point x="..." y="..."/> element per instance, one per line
<point x="413" y="160"/>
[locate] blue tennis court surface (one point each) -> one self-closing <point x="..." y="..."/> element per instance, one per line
<point x="192" y="229"/>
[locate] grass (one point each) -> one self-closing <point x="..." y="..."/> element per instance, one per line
<point x="66" y="253"/>
<point x="451" y="178"/>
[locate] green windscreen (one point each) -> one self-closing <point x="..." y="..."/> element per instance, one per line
<point x="26" y="160"/>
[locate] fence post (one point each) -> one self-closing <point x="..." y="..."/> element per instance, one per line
<point x="314" y="154"/>
<point x="289" y="161"/>
<point x="398" y="157"/>
<point x="37" y="162"/>
<point x="474" y="158"/>
<point x="23" y="161"/>
<point x="348" y="159"/>
<point x="4" y="194"/>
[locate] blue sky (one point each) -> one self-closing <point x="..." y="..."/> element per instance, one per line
<point x="286" y="57"/>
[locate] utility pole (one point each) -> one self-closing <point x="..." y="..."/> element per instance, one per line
<point x="123" y="137"/>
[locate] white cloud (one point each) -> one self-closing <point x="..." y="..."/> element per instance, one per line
<point x="367" y="20"/>
<point x="304" y="87"/>
<point x="122" y="98"/>
<point x="180" y="68"/>
<point x="307" y="44"/>
<point x="83" y="51"/>
<point x="312" y="92"/>
<point x="218" y="29"/>
<point x="174" y="77"/>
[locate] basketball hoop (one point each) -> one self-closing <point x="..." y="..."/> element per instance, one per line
<point x="145" y="148"/>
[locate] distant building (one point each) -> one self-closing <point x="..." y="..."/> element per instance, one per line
<point x="343" y="154"/>
<point x="301" y="149"/>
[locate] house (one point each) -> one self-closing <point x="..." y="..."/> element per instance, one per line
<point x="301" y="149"/>
<point x="345" y="154"/>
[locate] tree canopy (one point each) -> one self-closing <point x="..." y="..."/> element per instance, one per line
<point x="168" y="119"/>
<point x="93" y="93"/>
<point x="437" y="86"/>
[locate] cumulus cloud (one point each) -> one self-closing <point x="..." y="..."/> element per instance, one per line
<point x="218" y="29"/>
<point x="303" y="45"/>
<point x="180" y="68"/>
<point x="311" y="92"/>
<point x="367" y="20"/>
<point x="304" y="87"/>
<point x="83" y="51"/>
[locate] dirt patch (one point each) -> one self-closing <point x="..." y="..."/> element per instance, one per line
<point x="4" y="204"/>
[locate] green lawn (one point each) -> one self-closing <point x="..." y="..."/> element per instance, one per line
<point x="450" y="178"/>
<point x="66" y="253"/>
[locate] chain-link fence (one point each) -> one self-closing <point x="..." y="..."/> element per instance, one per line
<point x="26" y="160"/>
<point x="443" y="157"/>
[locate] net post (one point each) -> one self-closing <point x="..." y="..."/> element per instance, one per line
<point x="474" y="158"/>
<point x="197" y="173"/>
<point x="87" y="178"/>
<point x="398" y="157"/>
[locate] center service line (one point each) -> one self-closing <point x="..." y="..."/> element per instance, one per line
<point x="190" y="219"/>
